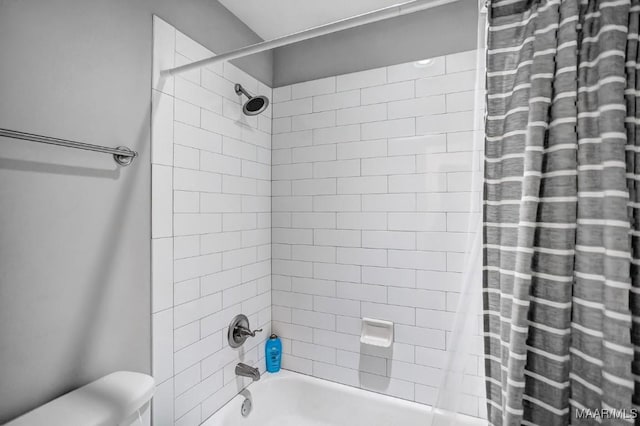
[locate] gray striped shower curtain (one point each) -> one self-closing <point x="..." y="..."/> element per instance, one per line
<point x="562" y="212"/>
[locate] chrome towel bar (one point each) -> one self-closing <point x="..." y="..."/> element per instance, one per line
<point x="122" y="155"/>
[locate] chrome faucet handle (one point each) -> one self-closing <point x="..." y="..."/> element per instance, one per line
<point x="246" y="331"/>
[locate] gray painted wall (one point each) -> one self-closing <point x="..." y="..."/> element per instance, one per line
<point x="74" y="228"/>
<point x="433" y="32"/>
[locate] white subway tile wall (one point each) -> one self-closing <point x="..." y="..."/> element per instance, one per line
<point x="211" y="229"/>
<point x="350" y="201"/>
<point x="371" y="190"/>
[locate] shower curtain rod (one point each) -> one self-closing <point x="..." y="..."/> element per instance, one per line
<point x="343" y="24"/>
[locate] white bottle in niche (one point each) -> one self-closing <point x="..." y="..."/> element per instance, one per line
<point x="376" y="332"/>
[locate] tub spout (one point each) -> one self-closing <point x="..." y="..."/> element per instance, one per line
<point x="247" y="371"/>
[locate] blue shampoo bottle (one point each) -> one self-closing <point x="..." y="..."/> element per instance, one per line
<point x="273" y="353"/>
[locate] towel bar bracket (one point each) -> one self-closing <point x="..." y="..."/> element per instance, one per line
<point x="124" y="160"/>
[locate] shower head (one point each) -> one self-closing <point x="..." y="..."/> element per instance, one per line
<point x="255" y="104"/>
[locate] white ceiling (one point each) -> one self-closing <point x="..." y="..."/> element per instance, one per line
<point x="275" y="18"/>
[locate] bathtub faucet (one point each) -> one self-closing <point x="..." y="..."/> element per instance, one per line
<point x="247" y="371"/>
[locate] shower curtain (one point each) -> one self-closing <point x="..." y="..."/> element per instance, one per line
<point x="463" y="346"/>
<point x="561" y="212"/>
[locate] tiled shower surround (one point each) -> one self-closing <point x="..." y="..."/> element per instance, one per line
<point x="356" y="206"/>
<point x="371" y="197"/>
<point x="211" y="229"/>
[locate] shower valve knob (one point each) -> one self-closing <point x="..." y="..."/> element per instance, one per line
<point x="239" y="331"/>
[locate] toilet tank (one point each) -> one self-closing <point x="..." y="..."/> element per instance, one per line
<point x="121" y="398"/>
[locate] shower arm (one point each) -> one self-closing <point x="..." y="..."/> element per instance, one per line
<point x="343" y="24"/>
<point x="239" y="89"/>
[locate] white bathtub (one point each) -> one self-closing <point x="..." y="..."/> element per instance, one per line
<point x="292" y="399"/>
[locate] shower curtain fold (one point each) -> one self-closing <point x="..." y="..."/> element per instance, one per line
<point x="561" y="207"/>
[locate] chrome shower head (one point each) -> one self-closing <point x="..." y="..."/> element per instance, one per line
<point x="255" y="104"/>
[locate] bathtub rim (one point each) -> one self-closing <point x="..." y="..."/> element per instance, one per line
<point x="330" y="385"/>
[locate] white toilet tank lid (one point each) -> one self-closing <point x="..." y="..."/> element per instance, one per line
<point x="107" y="401"/>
